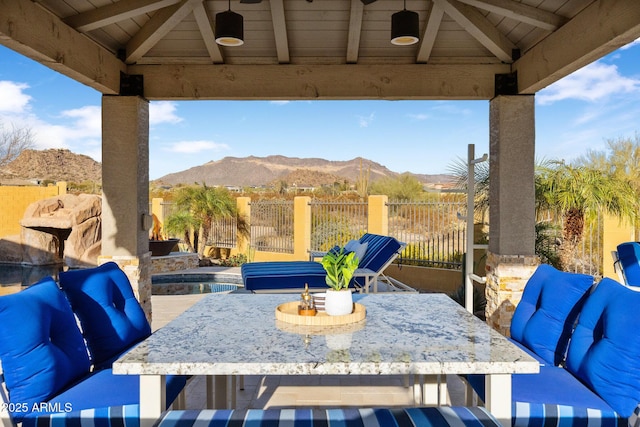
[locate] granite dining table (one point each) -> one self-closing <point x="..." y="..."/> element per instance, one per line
<point x="419" y="335"/>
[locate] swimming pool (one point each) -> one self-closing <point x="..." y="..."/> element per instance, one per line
<point x="185" y="284"/>
<point x="15" y="277"/>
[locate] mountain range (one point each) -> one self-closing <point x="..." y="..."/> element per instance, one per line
<point x="294" y="171"/>
<point x="63" y="165"/>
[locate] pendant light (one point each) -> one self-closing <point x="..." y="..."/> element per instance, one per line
<point x="405" y="27"/>
<point x="229" y="28"/>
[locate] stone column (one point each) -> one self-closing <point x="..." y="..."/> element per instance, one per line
<point x="125" y="191"/>
<point x="511" y="258"/>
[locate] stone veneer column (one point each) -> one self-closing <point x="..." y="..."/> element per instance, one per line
<point x="125" y="191"/>
<point x="511" y="257"/>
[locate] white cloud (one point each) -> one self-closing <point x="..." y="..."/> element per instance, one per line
<point x="192" y="147"/>
<point x="13" y="100"/>
<point x="279" y="102"/>
<point x="419" y="117"/>
<point x="636" y="42"/>
<point x="163" y="112"/>
<point x="365" y="121"/>
<point x="594" y="82"/>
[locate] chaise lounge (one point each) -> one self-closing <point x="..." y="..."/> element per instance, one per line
<point x="374" y="251"/>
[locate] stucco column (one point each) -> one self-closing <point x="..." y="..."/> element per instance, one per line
<point x="125" y="191"/>
<point x="511" y="257"/>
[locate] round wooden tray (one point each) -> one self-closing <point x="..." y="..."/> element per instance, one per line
<point x="288" y="312"/>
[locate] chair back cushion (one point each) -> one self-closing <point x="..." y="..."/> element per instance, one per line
<point x="380" y="250"/>
<point x="545" y="316"/>
<point x="41" y="347"/>
<point x="110" y="316"/>
<point x="605" y="347"/>
<point x="629" y="256"/>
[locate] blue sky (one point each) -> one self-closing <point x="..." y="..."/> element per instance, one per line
<point x="581" y="112"/>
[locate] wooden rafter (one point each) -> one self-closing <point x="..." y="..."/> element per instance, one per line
<point x="163" y="21"/>
<point x="479" y="27"/>
<point x="115" y="12"/>
<point x="520" y="12"/>
<point x="280" y="30"/>
<point x="355" y="28"/>
<point x="203" y="20"/>
<point x="430" y="32"/>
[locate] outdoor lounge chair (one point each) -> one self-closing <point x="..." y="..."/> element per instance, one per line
<point x="626" y="263"/>
<point x="380" y="252"/>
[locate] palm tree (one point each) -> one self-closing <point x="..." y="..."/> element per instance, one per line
<point x="577" y="193"/>
<point x="580" y="193"/>
<point x="198" y="207"/>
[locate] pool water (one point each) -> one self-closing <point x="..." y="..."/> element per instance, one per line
<point x="186" y="288"/>
<point x="15" y="277"/>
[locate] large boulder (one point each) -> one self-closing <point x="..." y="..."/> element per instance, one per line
<point x="67" y="226"/>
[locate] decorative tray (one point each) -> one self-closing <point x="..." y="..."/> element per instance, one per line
<point x="288" y="312"/>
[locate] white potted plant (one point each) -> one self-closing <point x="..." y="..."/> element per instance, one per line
<point x="340" y="267"/>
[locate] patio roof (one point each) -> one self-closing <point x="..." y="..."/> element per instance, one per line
<point x="317" y="49"/>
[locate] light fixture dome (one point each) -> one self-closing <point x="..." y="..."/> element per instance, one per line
<point x="229" y="28"/>
<point x="405" y="28"/>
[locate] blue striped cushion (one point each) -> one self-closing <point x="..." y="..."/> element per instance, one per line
<point x="549" y="415"/>
<point x="112" y="416"/>
<point x="354" y="417"/>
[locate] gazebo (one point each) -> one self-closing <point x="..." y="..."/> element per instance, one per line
<point x="502" y="51"/>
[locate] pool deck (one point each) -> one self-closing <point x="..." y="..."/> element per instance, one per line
<point x="292" y="391"/>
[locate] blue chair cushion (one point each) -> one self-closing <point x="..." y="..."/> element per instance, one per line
<point x="283" y="275"/>
<point x="380" y="249"/>
<point x="110" y="416"/>
<point x="605" y="346"/>
<point x="110" y="316"/>
<point x="629" y="256"/>
<point x="552" y="415"/>
<point x="552" y="385"/>
<point x="103" y="388"/>
<point x="544" y="317"/>
<point x="360" y="249"/>
<point x="361" y="417"/>
<point x="41" y="347"/>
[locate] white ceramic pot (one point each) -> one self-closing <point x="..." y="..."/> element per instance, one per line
<point x="338" y="303"/>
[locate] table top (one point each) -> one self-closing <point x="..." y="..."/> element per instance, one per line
<point x="238" y="334"/>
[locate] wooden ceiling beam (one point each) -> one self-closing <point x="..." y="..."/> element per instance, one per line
<point x="479" y="27"/>
<point x="298" y="82"/>
<point x="30" y="30"/>
<point x="204" y="22"/>
<point x="355" y="29"/>
<point x="520" y="12"/>
<point x="430" y="33"/>
<point x="280" y="31"/>
<point x="596" y="31"/>
<point x="115" y="12"/>
<point x="163" y="21"/>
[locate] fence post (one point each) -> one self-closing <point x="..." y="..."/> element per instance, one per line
<point x="244" y="211"/>
<point x="301" y="227"/>
<point x="378" y="216"/>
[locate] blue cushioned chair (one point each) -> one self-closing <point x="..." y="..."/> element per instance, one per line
<point x="110" y="316"/>
<point x="380" y="252"/>
<point x="41" y="347"/>
<point x="604" y="352"/>
<point x="628" y="261"/>
<point x="547" y="311"/>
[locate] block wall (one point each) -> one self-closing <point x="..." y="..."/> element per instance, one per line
<point x="14" y="200"/>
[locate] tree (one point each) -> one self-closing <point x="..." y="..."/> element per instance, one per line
<point x="13" y="142"/>
<point x="198" y="207"/>
<point x="579" y="193"/>
<point x="402" y="187"/>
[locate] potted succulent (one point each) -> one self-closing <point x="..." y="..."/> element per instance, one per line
<point x="340" y="267"/>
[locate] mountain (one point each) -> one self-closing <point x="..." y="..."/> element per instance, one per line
<point x="53" y="165"/>
<point x="260" y="171"/>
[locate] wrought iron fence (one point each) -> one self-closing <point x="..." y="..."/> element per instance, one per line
<point x="588" y="256"/>
<point x="433" y="232"/>
<point x="335" y="223"/>
<point x="272" y="225"/>
<point x="224" y="233"/>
